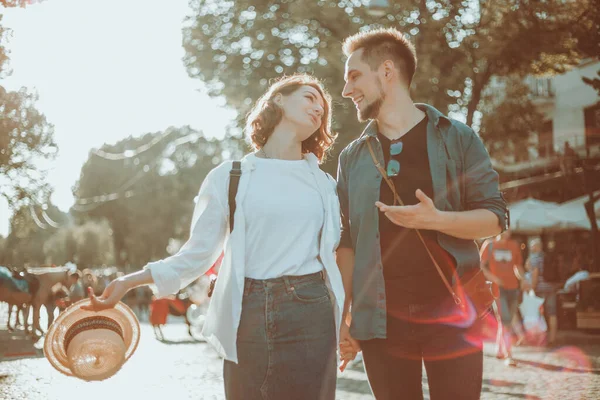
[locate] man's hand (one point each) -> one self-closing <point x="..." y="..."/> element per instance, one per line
<point x="349" y="346"/>
<point x="419" y="216"/>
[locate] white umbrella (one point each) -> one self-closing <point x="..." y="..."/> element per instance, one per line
<point x="572" y="214"/>
<point x="530" y="216"/>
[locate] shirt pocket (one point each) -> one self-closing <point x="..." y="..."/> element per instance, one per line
<point x="455" y="182"/>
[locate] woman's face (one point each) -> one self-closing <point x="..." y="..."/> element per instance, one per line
<point x="303" y="108"/>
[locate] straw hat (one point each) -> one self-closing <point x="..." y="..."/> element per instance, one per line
<point x="92" y="345"/>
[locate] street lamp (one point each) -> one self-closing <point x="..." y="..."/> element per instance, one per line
<point x="377" y="8"/>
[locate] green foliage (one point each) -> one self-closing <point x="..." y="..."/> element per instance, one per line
<point x="26" y="137"/>
<point x="17" y="3"/>
<point x="505" y="126"/>
<point x="3" y="260"/>
<point x="29" y="231"/>
<point x="237" y="47"/>
<point x="89" y="245"/>
<point x="152" y="192"/>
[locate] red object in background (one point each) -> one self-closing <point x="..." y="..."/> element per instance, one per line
<point x="217" y="264"/>
<point x="159" y="309"/>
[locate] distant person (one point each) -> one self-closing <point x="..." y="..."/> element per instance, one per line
<point x="502" y="262"/>
<point x="568" y="160"/>
<point x="76" y="290"/>
<point x="543" y="288"/>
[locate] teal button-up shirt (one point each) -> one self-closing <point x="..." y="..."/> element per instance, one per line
<point x="463" y="179"/>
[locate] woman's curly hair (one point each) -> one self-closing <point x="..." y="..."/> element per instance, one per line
<point x="266" y="115"/>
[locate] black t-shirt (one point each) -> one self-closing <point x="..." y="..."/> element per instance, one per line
<point x="410" y="276"/>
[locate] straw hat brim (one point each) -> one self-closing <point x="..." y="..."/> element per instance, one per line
<point x="54" y="343"/>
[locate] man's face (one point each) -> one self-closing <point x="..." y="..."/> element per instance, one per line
<point x="363" y="86"/>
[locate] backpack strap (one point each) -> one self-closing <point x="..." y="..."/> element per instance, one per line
<point x="234" y="181"/>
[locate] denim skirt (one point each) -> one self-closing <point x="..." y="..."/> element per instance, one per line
<point x="286" y="341"/>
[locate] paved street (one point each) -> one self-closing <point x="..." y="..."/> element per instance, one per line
<point x="183" y="369"/>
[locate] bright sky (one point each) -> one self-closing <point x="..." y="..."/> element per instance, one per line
<point x="104" y="70"/>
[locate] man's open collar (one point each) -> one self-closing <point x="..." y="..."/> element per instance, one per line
<point x="433" y="114"/>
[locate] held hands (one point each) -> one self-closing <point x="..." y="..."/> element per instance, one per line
<point x="423" y="215"/>
<point x="113" y="293"/>
<point x="349" y="346"/>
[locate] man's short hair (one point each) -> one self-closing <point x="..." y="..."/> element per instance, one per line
<point x="380" y="45"/>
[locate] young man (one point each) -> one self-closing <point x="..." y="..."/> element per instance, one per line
<point x="402" y="312"/>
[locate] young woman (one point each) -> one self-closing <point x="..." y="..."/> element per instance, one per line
<point x="276" y="309"/>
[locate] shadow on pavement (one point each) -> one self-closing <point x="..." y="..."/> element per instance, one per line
<point x="501" y="383"/>
<point x="181" y="341"/>
<point x="17" y="345"/>
<point x="512" y="395"/>
<point x="353" y="385"/>
<point x="558" y="368"/>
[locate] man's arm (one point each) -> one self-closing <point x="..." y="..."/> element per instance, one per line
<point x="472" y="224"/>
<point x="345" y="262"/>
<point x="345" y="252"/>
<point x="485" y="212"/>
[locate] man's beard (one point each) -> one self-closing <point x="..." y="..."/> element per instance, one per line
<point x="372" y="110"/>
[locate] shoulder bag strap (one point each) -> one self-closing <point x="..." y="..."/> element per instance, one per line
<point x="234" y="181"/>
<point x="398" y="200"/>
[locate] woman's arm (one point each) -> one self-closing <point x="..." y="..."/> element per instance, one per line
<point x="117" y="289"/>
<point x="208" y="231"/>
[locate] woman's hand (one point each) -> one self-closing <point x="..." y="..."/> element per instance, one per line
<point x="113" y="293"/>
<point x="349" y="346"/>
<point x="346" y="357"/>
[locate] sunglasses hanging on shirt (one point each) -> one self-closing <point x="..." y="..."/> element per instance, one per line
<point x="393" y="165"/>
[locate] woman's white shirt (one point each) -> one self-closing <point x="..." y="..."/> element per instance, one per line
<point x="210" y="236"/>
<point x="284" y="216"/>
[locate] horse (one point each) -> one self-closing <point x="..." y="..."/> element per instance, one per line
<point x="17" y="289"/>
<point x="48" y="278"/>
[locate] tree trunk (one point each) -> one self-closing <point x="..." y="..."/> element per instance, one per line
<point x="479" y="85"/>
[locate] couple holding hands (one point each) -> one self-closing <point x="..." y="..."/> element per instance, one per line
<point x="303" y="252"/>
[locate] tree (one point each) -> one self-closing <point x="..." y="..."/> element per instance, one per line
<point x="30" y="227"/>
<point x="147" y="196"/>
<point x="25" y="139"/>
<point x="25" y="136"/>
<point x="508" y="120"/>
<point x="238" y="47"/>
<point x="2" y="250"/>
<point x="94" y="244"/>
<point x="61" y="247"/>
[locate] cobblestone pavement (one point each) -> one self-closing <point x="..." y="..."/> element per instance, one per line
<point x="183" y="369"/>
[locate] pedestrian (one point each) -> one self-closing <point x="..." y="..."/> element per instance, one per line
<point x="402" y="311"/>
<point x="543" y="288"/>
<point x="502" y="261"/>
<point x="76" y="291"/>
<point x="276" y="307"/>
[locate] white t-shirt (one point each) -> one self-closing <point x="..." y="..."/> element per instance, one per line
<point x="284" y="216"/>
